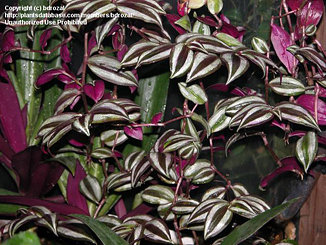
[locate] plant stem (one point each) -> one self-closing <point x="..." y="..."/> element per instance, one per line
<point x="275" y="157"/>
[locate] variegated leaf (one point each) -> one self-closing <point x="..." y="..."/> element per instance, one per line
<point x="203" y="65"/>
<point x="157" y="231"/>
<point x="219" y="121"/>
<point x="102" y="30"/>
<point x="116" y="180"/>
<point x="214" y="192"/>
<point x="96" y="8"/>
<point x="287" y="86"/>
<point x="214" y="6"/>
<point x="91" y="188"/>
<point x="256" y="116"/>
<point x="259" y="45"/>
<point x="241" y="102"/>
<point x="236" y="65"/>
<point x="239" y="190"/>
<point x="107" y="111"/>
<point x="82" y="124"/>
<point x="102" y="153"/>
<point x="306" y="149"/>
<point x="158" y="194"/>
<point x="217" y="220"/>
<point x="161" y="162"/>
<point x="193" y="169"/>
<point x="199" y="214"/>
<point x="296" y="114"/>
<point x="155" y="54"/>
<point x="312" y="55"/>
<point x="181" y="60"/>
<point x="105" y="67"/>
<point x="201" y="28"/>
<point x="133" y="159"/>
<point x="228" y="40"/>
<point x="137" y="11"/>
<point x="113" y="137"/>
<point x="135" y="51"/>
<point x="193" y="93"/>
<point x="66" y="99"/>
<point x="138" y="171"/>
<point x="184" y="206"/>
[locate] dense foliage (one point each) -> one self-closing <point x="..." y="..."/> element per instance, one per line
<point x="97" y="132"/>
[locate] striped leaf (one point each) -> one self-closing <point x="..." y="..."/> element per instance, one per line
<point x="135" y="51"/>
<point x="102" y="153"/>
<point x="106" y="67"/>
<point x="66" y="99"/>
<point x="184" y="206"/>
<point x="91" y="188"/>
<point x="239" y="190"/>
<point x="306" y="149"/>
<point x="201" y="28"/>
<point x="193" y="93"/>
<point x="214" y="192"/>
<point x="158" y="194"/>
<point x="218" y="218"/>
<point x="228" y="40"/>
<point x="287" y="86"/>
<point x="203" y="65"/>
<point x="133" y="159"/>
<point x="138" y="171"/>
<point x="241" y="102"/>
<point x="296" y="114"/>
<point x="113" y="137"/>
<point x="180" y="60"/>
<point x="198" y="216"/>
<point x="82" y="124"/>
<point x="259" y="45"/>
<point x="219" y="121"/>
<point x="107" y="111"/>
<point x="256" y="116"/>
<point x="139" y="11"/>
<point x="161" y="162"/>
<point x="94" y="8"/>
<point x="236" y="66"/>
<point x="155" y="54"/>
<point x="313" y="56"/>
<point x="102" y="30"/>
<point x="157" y="231"/>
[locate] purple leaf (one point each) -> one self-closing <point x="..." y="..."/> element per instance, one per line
<point x="322" y="92"/>
<point x="74" y="197"/>
<point x="60" y="208"/>
<point x="136" y="133"/>
<point x="278" y="124"/>
<point x="182" y="7"/>
<point x="140" y="210"/>
<point x="36" y="177"/>
<point x="76" y="143"/>
<point x="238" y="91"/>
<point x="311" y="13"/>
<point x="113" y="30"/>
<point x="48" y="76"/>
<point x="157" y="117"/>
<point x="219" y="87"/>
<point x="281" y="41"/>
<point x="4" y="74"/>
<point x="95" y="92"/>
<point x="308" y="102"/>
<point x="209" y="20"/>
<point x="91" y="43"/>
<point x="294" y="4"/>
<point x="65" y="54"/>
<point x="5" y="148"/>
<point x="7" y="41"/>
<point x="120" y="208"/>
<point x="173" y="18"/>
<point x="11" y="118"/>
<point x="122" y="51"/>
<point x="290" y="164"/>
<point x="45" y="36"/>
<point x="236" y="32"/>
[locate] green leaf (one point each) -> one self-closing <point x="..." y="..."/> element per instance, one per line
<point x="214" y="6"/>
<point x="193" y="93"/>
<point x="184" y="22"/>
<point x="228" y="40"/>
<point x="201" y="28"/>
<point x="306" y="149"/>
<point x="259" y="45"/>
<point x="287" y="86"/>
<point x="105" y="234"/>
<point x="247" y="229"/>
<point x="26" y="238"/>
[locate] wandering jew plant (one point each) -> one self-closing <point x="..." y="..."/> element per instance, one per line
<point x="98" y="132"/>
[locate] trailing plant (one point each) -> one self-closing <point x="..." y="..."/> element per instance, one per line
<point x="98" y="132"/>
